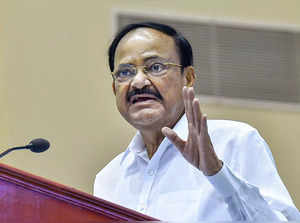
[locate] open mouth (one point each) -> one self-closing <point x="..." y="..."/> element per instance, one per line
<point x="142" y="98"/>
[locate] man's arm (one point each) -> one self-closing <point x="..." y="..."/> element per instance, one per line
<point x="244" y="200"/>
<point x="198" y="149"/>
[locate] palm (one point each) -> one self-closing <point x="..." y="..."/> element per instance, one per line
<point x="198" y="149"/>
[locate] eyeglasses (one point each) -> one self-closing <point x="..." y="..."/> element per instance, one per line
<point x="127" y="71"/>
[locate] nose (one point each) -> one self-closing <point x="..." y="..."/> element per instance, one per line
<point x="140" y="80"/>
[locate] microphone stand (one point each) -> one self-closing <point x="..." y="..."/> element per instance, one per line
<point x="12" y="149"/>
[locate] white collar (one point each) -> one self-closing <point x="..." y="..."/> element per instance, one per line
<point x="137" y="145"/>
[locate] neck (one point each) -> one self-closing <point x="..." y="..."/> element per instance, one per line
<point x="152" y="140"/>
<point x="153" y="137"/>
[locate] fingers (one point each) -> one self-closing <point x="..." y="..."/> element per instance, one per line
<point x="204" y="136"/>
<point x="197" y="114"/>
<point x="204" y="125"/>
<point x="192" y="109"/>
<point x="188" y="97"/>
<point x="174" y="138"/>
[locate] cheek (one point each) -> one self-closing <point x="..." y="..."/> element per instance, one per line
<point x="171" y="89"/>
<point x="121" y="92"/>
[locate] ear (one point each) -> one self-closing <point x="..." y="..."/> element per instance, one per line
<point x="114" y="87"/>
<point x="189" y="74"/>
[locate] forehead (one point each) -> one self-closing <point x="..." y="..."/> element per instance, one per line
<point x="143" y="43"/>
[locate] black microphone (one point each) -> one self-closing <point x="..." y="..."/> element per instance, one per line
<point x="37" y="146"/>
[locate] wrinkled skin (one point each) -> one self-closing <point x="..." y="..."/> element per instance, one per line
<point x="139" y="47"/>
<point x="155" y="116"/>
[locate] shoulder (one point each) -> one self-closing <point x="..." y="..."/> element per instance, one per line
<point x="228" y="129"/>
<point x="239" y="141"/>
<point x="112" y="167"/>
<point x="238" y="138"/>
<point x="228" y="124"/>
<point x="107" y="178"/>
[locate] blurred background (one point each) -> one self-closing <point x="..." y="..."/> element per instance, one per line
<point x="55" y="82"/>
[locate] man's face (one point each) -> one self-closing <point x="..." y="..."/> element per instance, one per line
<point x="157" y="100"/>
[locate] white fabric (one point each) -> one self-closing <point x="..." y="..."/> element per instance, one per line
<point x="167" y="187"/>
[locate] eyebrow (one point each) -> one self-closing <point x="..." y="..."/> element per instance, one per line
<point x="145" y="60"/>
<point x="153" y="58"/>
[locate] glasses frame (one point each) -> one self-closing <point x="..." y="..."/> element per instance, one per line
<point x="145" y="70"/>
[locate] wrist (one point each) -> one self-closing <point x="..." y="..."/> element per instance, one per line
<point x="213" y="169"/>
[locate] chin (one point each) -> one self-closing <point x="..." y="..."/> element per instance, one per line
<point x="146" y="118"/>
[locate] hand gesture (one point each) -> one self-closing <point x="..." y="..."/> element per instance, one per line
<point x="198" y="149"/>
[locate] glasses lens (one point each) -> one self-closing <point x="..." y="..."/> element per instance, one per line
<point x="156" y="69"/>
<point x="125" y="72"/>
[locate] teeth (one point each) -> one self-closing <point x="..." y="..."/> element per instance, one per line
<point x="141" y="99"/>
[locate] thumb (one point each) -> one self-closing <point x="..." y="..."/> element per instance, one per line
<point x="174" y="138"/>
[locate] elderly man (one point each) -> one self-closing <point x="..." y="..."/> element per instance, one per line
<point x="179" y="166"/>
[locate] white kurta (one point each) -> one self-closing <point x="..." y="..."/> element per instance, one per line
<point x="167" y="187"/>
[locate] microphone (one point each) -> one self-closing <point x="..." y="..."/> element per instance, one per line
<point x="37" y="146"/>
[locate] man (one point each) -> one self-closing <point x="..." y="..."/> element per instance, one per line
<point x="179" y="166"/>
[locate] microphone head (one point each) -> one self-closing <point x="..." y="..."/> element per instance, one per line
<point x="39" y="145"/>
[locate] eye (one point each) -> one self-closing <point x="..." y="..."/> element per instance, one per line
<point x="156" y="68"/>
<point x="124" y="73"/>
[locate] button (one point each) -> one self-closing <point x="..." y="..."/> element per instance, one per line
<point x="151" y="172"/>
<point x="142" y="206"/>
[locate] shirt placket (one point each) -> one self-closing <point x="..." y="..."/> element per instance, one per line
<point x="150" y="177"/>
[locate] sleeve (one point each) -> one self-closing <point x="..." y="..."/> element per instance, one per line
<point x="251" y="186"/>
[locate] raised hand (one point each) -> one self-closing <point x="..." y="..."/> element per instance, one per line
<point x="198" y="149"/>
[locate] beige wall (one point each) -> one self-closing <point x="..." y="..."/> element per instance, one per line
<point x="54" y="83"/>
